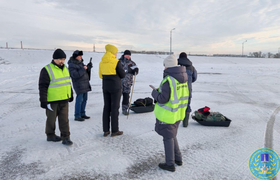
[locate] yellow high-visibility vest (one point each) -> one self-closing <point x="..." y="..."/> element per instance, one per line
<point x="60" y="84"/>
<point x="175" y="109"/>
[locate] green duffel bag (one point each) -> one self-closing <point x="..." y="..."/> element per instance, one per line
<point x="199" y="116"/>
<point x="213" y="116"/>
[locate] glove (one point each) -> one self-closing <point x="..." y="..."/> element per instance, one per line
<point x="129" y="70"/>
<point x="89" y="65"/>
<point x="136" y="70"/>
<point x="71" y="99"/>
<point x="44" y="105"/>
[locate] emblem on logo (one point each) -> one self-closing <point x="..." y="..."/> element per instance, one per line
<point x="264" y="163"/>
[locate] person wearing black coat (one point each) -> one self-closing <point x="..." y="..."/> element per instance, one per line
<point x="111" y="72"/>
<point x="56" y="108"/>
<point x="79" y="73"/>
<point x="192" y="76"/>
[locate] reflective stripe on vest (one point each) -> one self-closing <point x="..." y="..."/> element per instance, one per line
<point x="60" y="83"/>
<point x="174" y="109"/>
<point x="53" y="80"/>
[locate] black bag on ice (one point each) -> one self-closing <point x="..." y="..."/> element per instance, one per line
<point x="144" y="102"/>
<point x="143" y="105"/>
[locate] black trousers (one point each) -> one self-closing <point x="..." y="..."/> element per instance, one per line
<point x="60" y="111"/>
<point x="111" y="110"/>
<point x="125" y="101"/>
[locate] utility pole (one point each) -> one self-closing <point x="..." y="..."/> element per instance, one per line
<point x="21" y="44"/>
<point x="93" y="47"/>
<point x="7" y="45"/>
<point x="171" y="40"/>
<point x="243" y="47"/>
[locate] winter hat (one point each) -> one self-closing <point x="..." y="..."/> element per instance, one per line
<point x="77" y="53"/>
<point x="183" y="55"/>
<point x="127" y="52"/>
<point x="59" y="54"/>
<point x="111" y="48"/>
<point x="170" y="61"/>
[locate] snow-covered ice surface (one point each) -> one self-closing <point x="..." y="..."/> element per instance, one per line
<point x="245" y="90"/>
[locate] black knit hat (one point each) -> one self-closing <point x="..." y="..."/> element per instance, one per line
<point x="59" y="54"/>
<point x="77" y="53"/>
<point x="127" y="52"/>
<point x="183" y="55"/>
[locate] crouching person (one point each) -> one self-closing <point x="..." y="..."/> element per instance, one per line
<point x="171" y="103"/>
<point x="55" y="93"/>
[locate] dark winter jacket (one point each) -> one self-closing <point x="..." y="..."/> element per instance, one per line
<point x="127" y="81"/>
<point x="44" y="82"/>
<point x="179" y="73"/>
<point x="191" y="71"/>
<point x="79" y="76"/>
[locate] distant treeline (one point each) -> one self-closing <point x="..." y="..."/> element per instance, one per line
<point x="251" y="55"/>
<point x="229" y="55"/>
<point x="258" y="54"/>
<point x="264" y="55"/>
<point x="150" y="52"/>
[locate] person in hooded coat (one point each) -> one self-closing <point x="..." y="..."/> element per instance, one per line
<point x="131" y="70"/>
<point x="111" y="72"/>
<point x="171" y="103"/>
<point x="79" y="73"/>
<point x="192" y="76"/>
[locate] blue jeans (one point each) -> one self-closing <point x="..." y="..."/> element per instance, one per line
<point x="80" y="106"/>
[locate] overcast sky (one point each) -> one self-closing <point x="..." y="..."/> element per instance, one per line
<point x="201" y="26"/>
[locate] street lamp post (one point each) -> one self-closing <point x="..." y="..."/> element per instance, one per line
<point x="243" y="46"/>
<point x="171" y="39"/>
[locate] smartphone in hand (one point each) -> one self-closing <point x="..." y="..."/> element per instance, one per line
<point x="152" y="87"/>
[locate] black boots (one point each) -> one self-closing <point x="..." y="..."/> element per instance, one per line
<point x="82" y="118"/>
<point x="79" y="119"/>
<point x="85" y="117"/>
<point x="186" y="120"/>
<point x="179" y="163"/>
<point x="164" y="166"/>
<point x="67" y="142"/>
<point x="171" y="168"/>
<point x="54" y="138"/>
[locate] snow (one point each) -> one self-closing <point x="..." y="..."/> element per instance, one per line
<point x="246" y="90"/>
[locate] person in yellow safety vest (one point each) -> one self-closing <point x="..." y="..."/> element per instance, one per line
<point x="55" y="93"/>
<point x="171" y="103"/>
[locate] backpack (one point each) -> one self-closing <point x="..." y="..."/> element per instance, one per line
<point x="144" y="102"/>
